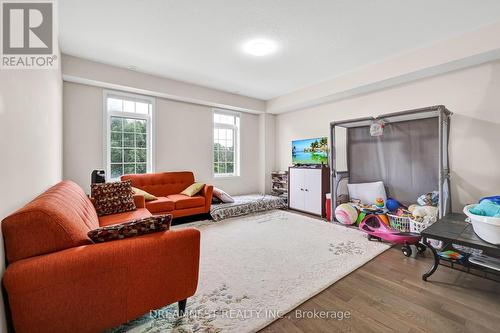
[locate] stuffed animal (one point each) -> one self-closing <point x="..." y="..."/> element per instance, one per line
<point x="423" y="211"/>
<point x="425" y="214"/>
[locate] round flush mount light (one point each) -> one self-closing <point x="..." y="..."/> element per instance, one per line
<point x="260" y="47"/>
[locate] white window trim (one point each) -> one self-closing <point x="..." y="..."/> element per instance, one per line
<point x="237" y="130"/>
<point x="151" y="134"/>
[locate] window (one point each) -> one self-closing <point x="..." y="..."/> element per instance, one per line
<point x="226" y="144"/>
<point x="128" y="133"/>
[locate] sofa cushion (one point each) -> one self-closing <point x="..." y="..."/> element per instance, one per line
<point x="147" y="196"/>
<point x="183" y="201"/>
<point x="161" y="184"/>
<point x="162" y="204"/>
<point x="193" y="189"/>
<point x="112" y="198"/>
<point x="57" y="219"/>
<point x="130" y="229"/>
<point x="139" y="213"/>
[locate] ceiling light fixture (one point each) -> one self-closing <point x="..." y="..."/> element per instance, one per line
<point x="260" y="47"/>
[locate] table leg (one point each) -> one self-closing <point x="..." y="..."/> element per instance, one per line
<point x="434" y="266"/>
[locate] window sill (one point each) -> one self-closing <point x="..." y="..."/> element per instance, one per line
<point x="226" y="176"/>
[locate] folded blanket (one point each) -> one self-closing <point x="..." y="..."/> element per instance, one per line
<point x="486" y="208"/>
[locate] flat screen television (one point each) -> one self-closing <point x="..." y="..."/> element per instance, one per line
<point x="310" y="151"/>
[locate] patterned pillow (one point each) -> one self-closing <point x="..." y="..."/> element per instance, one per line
<point x="112" y="198"/>
<point x="130" y="229"/>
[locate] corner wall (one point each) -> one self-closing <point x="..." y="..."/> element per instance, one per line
<point x="472" y="94"/>
<point x="30" y="140"/>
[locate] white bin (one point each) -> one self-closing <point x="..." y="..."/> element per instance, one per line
<point x="487" y="228"/>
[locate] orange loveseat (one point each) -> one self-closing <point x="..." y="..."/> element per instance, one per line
<point x="167" y="186"/>
<point x="58" y="281"/>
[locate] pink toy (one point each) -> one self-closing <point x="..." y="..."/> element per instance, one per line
<point x="378" y="230"/>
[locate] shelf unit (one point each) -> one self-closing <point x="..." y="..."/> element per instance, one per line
<point x="279" y="184"/>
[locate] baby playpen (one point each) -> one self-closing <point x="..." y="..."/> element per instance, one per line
<point x="410" y="157"/>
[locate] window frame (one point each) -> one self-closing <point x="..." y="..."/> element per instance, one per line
<point x="150" y="123"/>
<point x="236" y="139"/>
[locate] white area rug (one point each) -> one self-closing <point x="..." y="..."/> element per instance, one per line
<point x="256" y="268"/>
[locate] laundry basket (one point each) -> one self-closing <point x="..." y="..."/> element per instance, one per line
<point x="401" y="223"/>
<point x="418" y="227"/>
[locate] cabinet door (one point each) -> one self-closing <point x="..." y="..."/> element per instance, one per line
<point x="296" y="194"/>
<point x="312" y="186"/>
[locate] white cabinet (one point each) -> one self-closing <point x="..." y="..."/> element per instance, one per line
<point x="296" y="191"/>
<point x="307" y="189"/>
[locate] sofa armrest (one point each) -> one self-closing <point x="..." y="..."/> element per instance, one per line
<point x="99" y="286"/>
<point x="207" y="192"/>
<point x="139" y="201"/>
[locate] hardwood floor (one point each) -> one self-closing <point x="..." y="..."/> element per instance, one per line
<point x="388" y="295"/>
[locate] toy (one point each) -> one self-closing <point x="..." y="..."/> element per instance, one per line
<point x="429" y="199"/>
<point x="383" y="217"/>
<point x="346" y="214"/>
<point x="379" y="202"/>
<point x="411" y="208"/>
<point x="378" y="230"/>
<point x="402" y="212"/>
<point x="450" y="254"/>
<point x="361" y="216"/>
<point x="423" y="211"/>
<point x="393" y="205"/>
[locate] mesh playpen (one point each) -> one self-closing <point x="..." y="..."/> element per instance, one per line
<point x="410" y="157"/>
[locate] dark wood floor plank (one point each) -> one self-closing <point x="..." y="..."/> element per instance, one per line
<point x="388" y="295"/>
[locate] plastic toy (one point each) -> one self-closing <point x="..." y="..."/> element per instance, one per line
<point x="361" y="216"/>
<point x="429" y="199"/>
<point x="450" y="254"/>
<point x="379" y="202"/>
<point x="378" y="230"/>
<point x="392" y="204"/>
<point x="365" y="210"/>
<point x="346" y="214"/>
<point x="382" y="216"/>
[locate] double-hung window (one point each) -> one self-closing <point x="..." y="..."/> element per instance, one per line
<point x="226" y="143"/>
<point x="128" y="133"/>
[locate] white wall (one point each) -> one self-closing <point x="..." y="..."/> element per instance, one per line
<point x="473" y="94"/>
<point x="267" y="143"/>
<point x="30" y="140"/>
<point x="183" y="140"/>
<point x="463" y="51"/>
<point x="90" y="72"/>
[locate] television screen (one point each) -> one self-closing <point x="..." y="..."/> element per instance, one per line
<point x="310" y="151"/>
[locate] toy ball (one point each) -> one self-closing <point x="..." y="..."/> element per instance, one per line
<point x="392" y="204"/>
<point x="379" y="202"/>
<point x="346" y="214"/>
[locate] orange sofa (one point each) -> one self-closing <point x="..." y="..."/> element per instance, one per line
<point x="167" y="186"/>
<point x="58" y="281"/>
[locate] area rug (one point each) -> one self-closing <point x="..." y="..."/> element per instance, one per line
<point x="255" y="269"/>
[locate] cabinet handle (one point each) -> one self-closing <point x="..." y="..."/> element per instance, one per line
<point x="307" y="190"/>
<point x="302" y="189"/>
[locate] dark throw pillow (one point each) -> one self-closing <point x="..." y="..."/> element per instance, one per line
<point x="112" y="198"/>
<point x="130" y="229"/>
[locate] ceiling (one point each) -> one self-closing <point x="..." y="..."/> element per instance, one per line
<point x="200" y="41"/>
